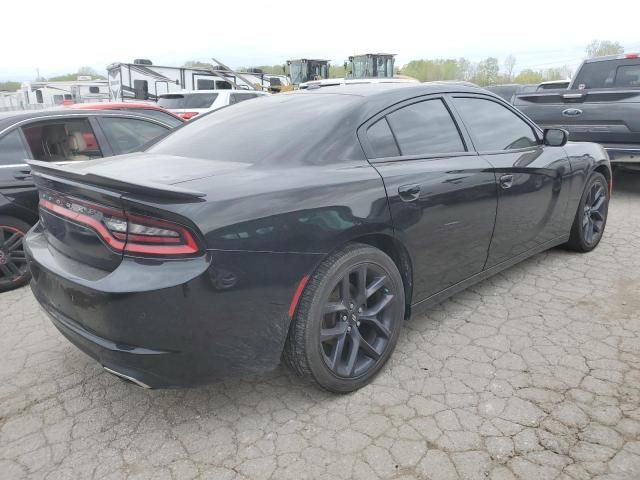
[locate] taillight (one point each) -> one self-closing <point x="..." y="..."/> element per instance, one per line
<point x="121" y="231"/>
<point x="188" y="115"/>
<point x="631" y="55"/>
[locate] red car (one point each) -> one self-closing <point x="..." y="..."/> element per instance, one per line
<point x="150" y="109"/>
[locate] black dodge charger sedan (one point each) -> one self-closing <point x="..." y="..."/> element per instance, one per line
<point x="306" y="226"/>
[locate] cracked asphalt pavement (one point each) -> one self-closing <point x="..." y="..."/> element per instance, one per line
<point x="533" y="374"/>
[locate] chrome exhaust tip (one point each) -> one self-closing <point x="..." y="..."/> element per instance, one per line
<point x="126" y="377"/>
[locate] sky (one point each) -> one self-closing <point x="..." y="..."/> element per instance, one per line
<point x="59" y="37"/>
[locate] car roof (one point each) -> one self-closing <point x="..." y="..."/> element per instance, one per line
<point x="394" y="89"/>
<point x="115" y="105"/>
<point x="9" y="119"/>
<point x="219" y="90"/>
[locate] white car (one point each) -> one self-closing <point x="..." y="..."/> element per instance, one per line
<point x="188" y="104"/>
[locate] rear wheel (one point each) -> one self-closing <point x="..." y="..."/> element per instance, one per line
<point x="13" y="264"/>
<point x="348" y="319"/>
<point x="591" y="217"/>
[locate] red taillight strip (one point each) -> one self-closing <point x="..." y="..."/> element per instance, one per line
<point x="191" y="246"/>
<point x="296" y="296"/>
<point x="86" y="220"/>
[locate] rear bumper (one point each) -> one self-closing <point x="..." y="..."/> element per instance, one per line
<point x="171" y="323"/>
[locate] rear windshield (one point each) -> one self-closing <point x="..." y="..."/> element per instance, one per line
<point x="272" y="130"/>
<point x="191" y="100"/>
<point x="621" y="73"/>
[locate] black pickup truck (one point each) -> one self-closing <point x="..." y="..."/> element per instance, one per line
<point x="602" y="105"/>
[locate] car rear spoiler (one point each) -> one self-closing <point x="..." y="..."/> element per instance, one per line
<point x="51" y="171"/>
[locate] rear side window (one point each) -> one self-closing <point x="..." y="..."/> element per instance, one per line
<point x="493" y="126"/>
<point x="128" y="134"/>
<point x="240" y="97"/>
<point x="192" y="100"/>
<point x="608" y="73"/>
<point x="628" y="76"/>
<point x="63" y="140"/>
<point x="381" y="140"/>
<point x="12" y="151"/>
<point x="425" y="128"/>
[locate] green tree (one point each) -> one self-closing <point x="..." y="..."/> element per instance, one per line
<point x="487" y="72"/>
<point x="337" y="71"/>
<point x="69" y="77"/>
<point x="529" y="76"/>
<point x="509" y="65"/>
<point x="600" y="48"/>
<point x="9" y="86"/>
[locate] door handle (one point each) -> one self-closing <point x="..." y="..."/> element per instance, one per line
<point x="506" y="181"/>
<point x="24" y="174"/>
<point x="409" y="193"/>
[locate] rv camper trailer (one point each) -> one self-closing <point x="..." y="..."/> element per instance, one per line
<point x="36" y="95"/>
<point x="142" y="80"/>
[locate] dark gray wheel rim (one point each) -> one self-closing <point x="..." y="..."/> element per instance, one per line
<point x="357" y="321"/>
<point x="595" y="212"/>
<point x="13" y="263"/>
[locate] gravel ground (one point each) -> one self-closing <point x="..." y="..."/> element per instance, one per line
<point x="533" y="374"/>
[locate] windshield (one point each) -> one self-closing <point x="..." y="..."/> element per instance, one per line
<point x="362" y="67"/>
<point x="190" y="100"/>
<point x="262" y="132"/>
<point x="318" y="71"/>
<point x="296" y="73"/>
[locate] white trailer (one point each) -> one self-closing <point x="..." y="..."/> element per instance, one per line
<point x="9" y="101"/>
<point x="35" y="95"/>
<point x="142" y="80"/>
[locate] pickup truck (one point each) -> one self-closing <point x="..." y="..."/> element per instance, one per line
<point x="601" y="105"/>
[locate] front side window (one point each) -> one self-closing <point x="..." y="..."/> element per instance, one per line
<point x="128" y="134"/>
<point x="493" y="126"/>
<point x="425" y="128"/>
<point x="12" y="151"/>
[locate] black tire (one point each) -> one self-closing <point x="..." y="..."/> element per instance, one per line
<point x="591" y="217"/>
<point x="370" y="318"/>
<point x="14" y="272"/>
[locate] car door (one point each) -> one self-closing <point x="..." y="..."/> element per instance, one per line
<point x="442" y="195"/>
<point x="533" y="187"/>
<point x="16" y="185"/>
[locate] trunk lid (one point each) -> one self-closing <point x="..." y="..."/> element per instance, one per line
<point x="602" y="116"/>
<point x="90" y="212"/>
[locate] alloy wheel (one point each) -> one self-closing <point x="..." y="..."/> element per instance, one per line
<point x="594" y="215"/>
<point x="357" y="321"/>
<point x="13" y="263"/>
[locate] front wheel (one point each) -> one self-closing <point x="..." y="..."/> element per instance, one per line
<point x="13" y="263"/>
<point x="348" y="319"/>
<point x="591" y="217"/>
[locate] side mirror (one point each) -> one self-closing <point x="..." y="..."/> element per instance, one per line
<point x="555" y="137"/>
